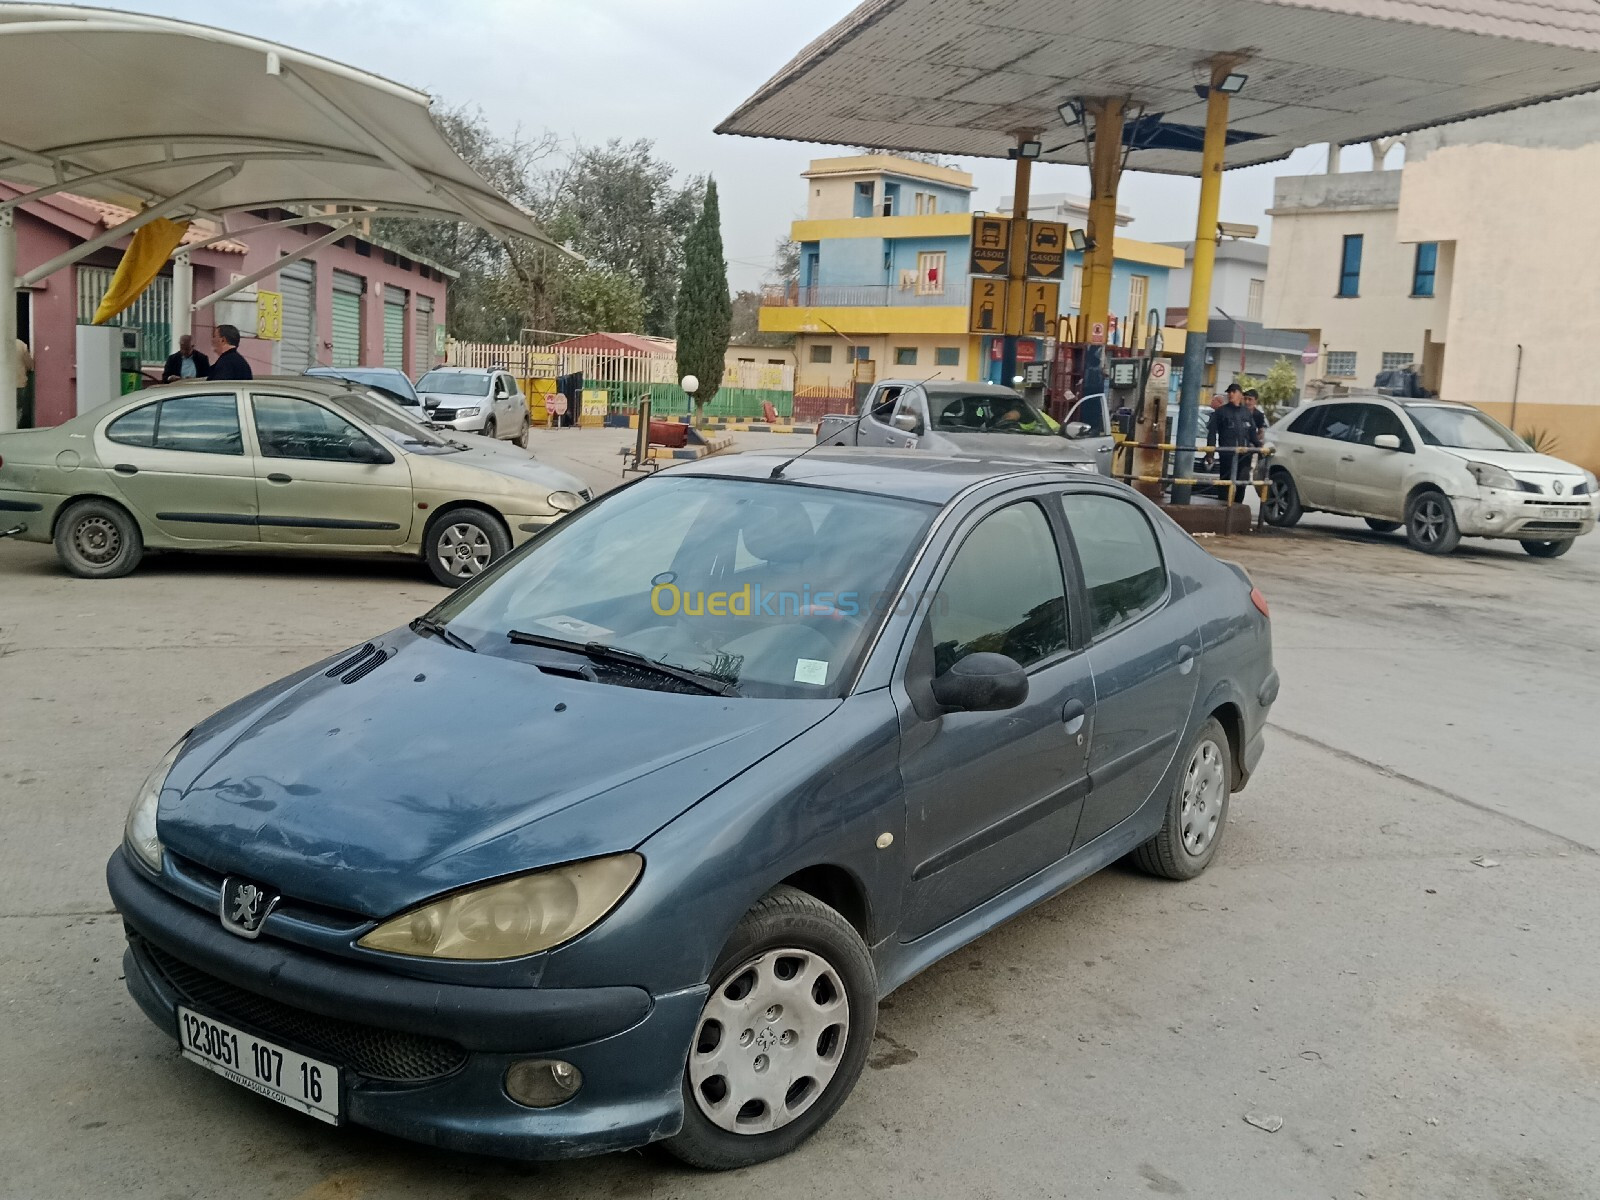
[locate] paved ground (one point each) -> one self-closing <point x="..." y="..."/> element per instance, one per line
<point x="1425" y="1027"/>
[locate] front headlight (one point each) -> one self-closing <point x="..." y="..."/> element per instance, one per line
<point x="513" y="917"/>
<point x="564" y="501"/>
<point x="1594" y="483"/>
<point x="140" y="830"/>
<point x="466" y="412"/>
<point x="1490" y="476"/>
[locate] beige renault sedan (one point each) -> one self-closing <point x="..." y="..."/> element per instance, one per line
<point x="289" y="465"/>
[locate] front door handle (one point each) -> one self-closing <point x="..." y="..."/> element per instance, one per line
<point x="1297" y="450"/>
<point x="125" y="469"/>
<point x="1185" y="659"/>
<point x="1073" y="714"/>
<point x="1347" y="458"/>
<point x="279" y="477"/>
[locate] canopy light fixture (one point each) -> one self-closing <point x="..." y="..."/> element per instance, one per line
<point x="1232" y="84"/>
<point x="1071" y="111"/>
<point x="1029" y="149"/>
<point x="1079" y="239"/>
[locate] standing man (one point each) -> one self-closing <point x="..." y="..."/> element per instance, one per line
<point x="1230" y="430"/>
<point x="187" y="363"/>
<point x="229" y="364"/>
<point x="1258" y="432"/>
<point x="25" y="367"/>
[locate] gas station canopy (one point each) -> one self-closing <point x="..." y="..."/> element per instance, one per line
<point x="139" y="110"/>
<point x="967" y="77"/>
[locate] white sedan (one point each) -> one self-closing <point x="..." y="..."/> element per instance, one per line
<point x="1441" y="471"/>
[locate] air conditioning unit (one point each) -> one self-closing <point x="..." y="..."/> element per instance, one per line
<point x="908" y="280"/>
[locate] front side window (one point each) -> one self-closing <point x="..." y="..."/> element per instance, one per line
<point x="1003" y="593"/>
<point x="1123" y="573"/>
<point x="1426" y="269"/>
<point x="194" y="424"/>
<point x="987" y="412"/>
<point x="1350" y="266"/>
<point x="288" y="427"/>
<point x="1378" y="420"/>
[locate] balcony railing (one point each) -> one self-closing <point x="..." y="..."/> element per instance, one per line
<point x="866" y="295"/>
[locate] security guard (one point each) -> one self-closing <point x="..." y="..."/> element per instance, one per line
<point x="1230" y="430"/>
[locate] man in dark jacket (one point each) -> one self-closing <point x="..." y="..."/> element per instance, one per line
<point x="1230" y="430"/>
<point x="187" y="363"/>
<point x="229" y="364"/>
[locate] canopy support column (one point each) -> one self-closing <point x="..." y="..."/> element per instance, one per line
<point x="1104" y="174"/>
<point x="1018" y="286"/>
<point x="10" y="368"/>
<point x="1205" y="257"/>
<point x="182" y="299"/>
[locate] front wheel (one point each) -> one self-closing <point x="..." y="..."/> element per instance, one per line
<point x="783" y="1035"/>
<point x="96" y="539"/>
<point x="1197" y="812"/>
<point x="462" y="543"/>
<point x="490" y="429"/>
<point x="1283" y="500"/>
<point x="1431" y="523"/>
<point x="1378" y="526"/>
<point x="1548" y="549"/>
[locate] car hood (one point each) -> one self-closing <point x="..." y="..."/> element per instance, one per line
<point x="1516" y="462"/>
<point x="451" y="400"/>
<point x="442" y="768"/>
<point x="1028" y="447"/>
<point x="513" y="463"/>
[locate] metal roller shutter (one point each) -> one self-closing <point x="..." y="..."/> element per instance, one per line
<point x="422" y="352"/>
<point x="347" y="291"/>
<point x="297" y="350"/>
<point x="394" y="328"/>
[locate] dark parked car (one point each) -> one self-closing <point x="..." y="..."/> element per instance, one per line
<point x="747" y="744"/>
<point x="387" y="380"/>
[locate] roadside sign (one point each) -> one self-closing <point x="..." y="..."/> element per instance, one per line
<point x="269" y="316"/>
<point x="991" y="246"/>
<point x="1041" y="305"/>
<point x="1310" y="355"/>
<point x="1027" y="351"/>
<point x="1097" y="333"/>
<point x="1047" y="249"/>
<point x="987" y="313"/>
<point x="1158" y="369"/>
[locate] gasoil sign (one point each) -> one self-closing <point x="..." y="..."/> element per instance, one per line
<point x="987" y="313"/>
<point x="991" y="246"/>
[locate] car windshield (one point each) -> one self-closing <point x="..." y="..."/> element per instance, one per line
<point x="385" y="381"/>
<point x="771" y="587"/>
<point x="1463" y="429"/>
<point x="986" y="412"/>
<point x="454" y="383"/>
<point x="396" y="425"/>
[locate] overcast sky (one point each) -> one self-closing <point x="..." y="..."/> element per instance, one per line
<point x="597" y="69"/>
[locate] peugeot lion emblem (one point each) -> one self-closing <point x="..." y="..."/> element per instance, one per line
<point x="245" y="906"/>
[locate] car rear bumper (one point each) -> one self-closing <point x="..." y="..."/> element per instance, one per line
<point x="453" y="1044"/>
<point x="1526" y="518"/>
<point x="35" y="511"/>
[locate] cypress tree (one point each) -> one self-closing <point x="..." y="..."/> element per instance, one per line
<point x="705" y="310"/>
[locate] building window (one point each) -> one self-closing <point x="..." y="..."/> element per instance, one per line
<point x="1077" y="287"/>
<point x="1393" y="360"/>
<point x="1427" y="267"/>
<point x="864" y="199"/>
<point x="947" y="356"/>
<point x="150" y="314"/>
<point x="1350" y="266"/>
<point x="1342" y="364"/>
<point x="1252" y="311"/>
<point x="860" y="353"/>
<point x="930" y="273"/>
<point x="822" y="354"/>
<point x="927" y="204"/>
<point x="905" y="356"/>
<point x="1138" y="293"/>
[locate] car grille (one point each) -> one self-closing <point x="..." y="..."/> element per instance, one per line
<point x="443" y="414"/>
<point x="1551" y="527"/>
<point x="375" y="1053"/>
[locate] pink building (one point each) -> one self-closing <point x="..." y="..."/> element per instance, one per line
<point x="353" y="302"/>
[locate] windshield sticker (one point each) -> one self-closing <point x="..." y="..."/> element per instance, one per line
<point x="573" y="627"/>
<point x="810" y="670"/>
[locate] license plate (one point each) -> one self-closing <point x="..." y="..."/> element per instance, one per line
<point x="264" y="1067"/>
<point x="1561" y="514"/>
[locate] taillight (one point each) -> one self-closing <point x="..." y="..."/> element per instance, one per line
<point x="1260" y="602"/>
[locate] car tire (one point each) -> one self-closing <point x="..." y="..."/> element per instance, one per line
<point x="1378" y="526"/>
<point x="1282" y="507"/>
<point x="1431" y="523"/>
<point x="1553" y="549"/>
<point x="463" y="543"/>
<point x="823" y="1030"/>
<point x="490" y="429"/>
<point x="98" y="539"/>
<point x="1197" y="810"/>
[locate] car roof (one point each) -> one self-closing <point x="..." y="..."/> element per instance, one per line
<point x="904" y="474"/>
<point x="464" y="370"/>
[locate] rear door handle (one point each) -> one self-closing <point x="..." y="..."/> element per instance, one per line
<point x="1297" y="450"/>
<point x="125" y="469"/>
<point x="1347" y="458"/>
<point x="279" y="477"/>
<point x="1073" y="714"/>
<point x="1185" y="659"/>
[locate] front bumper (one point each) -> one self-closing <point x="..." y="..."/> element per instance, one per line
<point x="1526" y="517"/>
<point x="455" y="1042"/>
<point x="473" y="424"/>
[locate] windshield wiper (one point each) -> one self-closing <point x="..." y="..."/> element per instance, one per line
<point x="600" y="652"/>
<point x="435" y="628"/>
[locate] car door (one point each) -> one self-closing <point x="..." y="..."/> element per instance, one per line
<point x="180" y="463"/>
<point x="1371" y="480"/>
<point x="1314" y="459"/>
<point x="876" y="429"/>
<point x="322" y="480"/>
<point x="515" y="405"/>
<point x="993" y="797"/>
<point x="1144" y="643"/>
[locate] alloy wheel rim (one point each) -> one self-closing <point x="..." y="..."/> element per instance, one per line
<point x="97" y="540"/>
<point x="464" y="550"/>
<point x="1205" y="782"/>
<point x="1278" y="498"/>
<point x="1429" y="521"/>
<point x="771" y="1038"/>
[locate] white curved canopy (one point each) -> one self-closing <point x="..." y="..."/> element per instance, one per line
<point x="135" y="109"/>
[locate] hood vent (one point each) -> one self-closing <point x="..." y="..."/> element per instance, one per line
<point x="358" y="665"/>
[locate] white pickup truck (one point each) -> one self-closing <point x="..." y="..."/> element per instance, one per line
<point x="981" y="419"/>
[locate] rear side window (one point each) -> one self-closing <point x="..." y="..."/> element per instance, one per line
<point x="1309" y="422"/>
<point x="1003" y="592"/>
<point x="195" y="424"/>
<point x="1123" y="573"/>
<point x="137" y="428"/>
<point x="1343" y="422"/>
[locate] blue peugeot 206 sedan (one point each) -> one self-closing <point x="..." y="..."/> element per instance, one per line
<point x="765" y="738"/>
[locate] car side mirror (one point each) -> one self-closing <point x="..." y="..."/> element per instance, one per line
<point x="982" y="682"/>
<point x="1386" y="441"/>
<point x="365" y="452"/>
<point x="907" y="422"/>
<point x="1077" y="429"/>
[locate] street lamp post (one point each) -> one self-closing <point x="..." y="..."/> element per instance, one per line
<point x="691" y="388"/>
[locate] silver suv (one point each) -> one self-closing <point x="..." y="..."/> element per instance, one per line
<point x="475" y="400"/>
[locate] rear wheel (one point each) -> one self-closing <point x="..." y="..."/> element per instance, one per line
<point x="462" y="543"/>
<point x="1378" y="526"/>
<point x="96" y="539"/>
<point x="527" y="430"/>
<point x="1197" y="813"/>
<point x="783" y="1035"/>
<point x="1282" y="507"/>
<point x="1431" y="523"/>
<point x="1548" y="549"/>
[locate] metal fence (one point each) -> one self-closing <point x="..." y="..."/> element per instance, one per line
<point x="150" y="314"/>
<point x="907" y="293"/>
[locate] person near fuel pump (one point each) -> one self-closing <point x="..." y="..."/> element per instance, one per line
<point x="1232" y="431"/>
<point x="1258" y="434"/>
